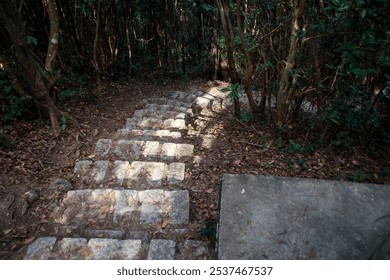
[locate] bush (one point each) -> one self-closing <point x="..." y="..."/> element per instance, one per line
<point x="12" y="106"/>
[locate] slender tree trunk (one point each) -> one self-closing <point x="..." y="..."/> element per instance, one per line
<point x="95" y="46"/>
<point x="229" y="40"/>
<point x="247" y="79"/>
<point x="215" y="52"/>
<point x="182" y="47"/>
<point x="129" y="51"/>
<point x="298" y="7"/>
<point x="54" y="37"/>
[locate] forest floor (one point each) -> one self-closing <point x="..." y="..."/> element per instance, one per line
<point x="26" y="174"/>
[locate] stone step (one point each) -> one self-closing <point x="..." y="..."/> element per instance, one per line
<point x="173" y="102"/>
<point x="111" y="206"/>
<point x="117" y="174"/>
<point x="200" y="101"/>
<point x="155" y="123"/>
<point x="168" y="108"/>
<point x="51" y="248"/>
<point x="163" y="115"/>
<point x="148" y="135"/>
<point x="135" y="149"/>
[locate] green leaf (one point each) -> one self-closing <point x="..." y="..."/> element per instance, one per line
<point x="226" y="89"/>
<point x="32" y="40"/>
<point x="63" y="122"/>
<point x="358" y="71"/>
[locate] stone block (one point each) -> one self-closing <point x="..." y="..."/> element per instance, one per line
<point x="131" y="124"/>
<point x="131" y="149"/>
<point x="112" y="249"/>
<point x="174" y="124"/>
<point x="201" y="102"/>
<point x="291" y="218"/>
<point x="184" y="150"/>
<point x="99" y="170"/>
<point x="192" y="250"/>
<point x="176" y="171"/>
<point x="119" y="172"/>
<point x="87" y="171"/>
<point x="149" y="123"/>
<point x="151" y="149"/>
<point x="179" y="207"/>
<point x="160" y="249"/>
<point x="103" y="147"/>
<point x="70" y="249"/>
<point x="153" y="204"/>
<point x="126" y="204"/>
<point x="168" y="150"/>
<point x="145" y="173"/>
<point x="40" y="249"/>
<point x="82" y="205"/>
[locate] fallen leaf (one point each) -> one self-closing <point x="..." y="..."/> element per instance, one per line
<point x="7" y="231"/>
<point x="28" y="240"/>
<point x="165" y="223"/>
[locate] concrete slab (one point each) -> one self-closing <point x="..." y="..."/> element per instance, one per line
<point x="291" y="218"/>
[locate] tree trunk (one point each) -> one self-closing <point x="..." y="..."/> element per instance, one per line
<point x="247" y="79"/>
<point x="182" y="47"/>
<point x="95" y="46"/>
<point x="31" y="68"/>
<point x="129" y="51"/>
<point x="229" y="40"/>
<point x="52" y="11"/>
<point x="298" y="7"/>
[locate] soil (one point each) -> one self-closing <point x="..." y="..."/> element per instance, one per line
<point x="41" y="157"/>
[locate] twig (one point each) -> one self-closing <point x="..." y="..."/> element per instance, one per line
<point x="265" y="147"/>
<point x="252" y="144"/>
<point x="4" y="153"/>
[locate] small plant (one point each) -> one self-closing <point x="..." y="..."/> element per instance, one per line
<point x="301" y="163"/>
<point x="291" y="164"/>
<point x="358" y="176"/>
<point x="63" y="123"/>
<point x="279" y="142"/>
<point x="235" y="90"/>
<point x="245" y="117"/>
<point x="294" y="147"/>
<point x="343" y="140"/>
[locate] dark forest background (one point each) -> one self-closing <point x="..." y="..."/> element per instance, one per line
<point x="323" y="64"/>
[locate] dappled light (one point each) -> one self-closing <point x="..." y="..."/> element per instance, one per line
<point x="120" y="120"/>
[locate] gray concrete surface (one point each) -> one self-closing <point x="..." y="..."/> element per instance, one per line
<point x="291" y="218"/>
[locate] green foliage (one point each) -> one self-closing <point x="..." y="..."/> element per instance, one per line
<point x="32" y="40"/>
<point x="358" y="176"/>
<point x="245" y="117"/>
<point x="11" y="105"/>
<point x="301" y="163"/>
<point x="279" y="143"/>
<point x="343" y="140"/>
<point x="294" y="147"/>
<point x="63" y="122"/>
<point x="235" y="91"/>
<point x="73" y="88"/>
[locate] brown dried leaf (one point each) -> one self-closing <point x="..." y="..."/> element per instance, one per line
<point x="28" y="240"/>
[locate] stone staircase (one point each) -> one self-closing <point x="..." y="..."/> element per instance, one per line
<point x="130" y="200"/>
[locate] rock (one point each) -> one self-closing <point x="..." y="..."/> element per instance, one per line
<point x="31" y="196"/>
<point x="7" y="142"/>
<point x="61" y="184"/>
